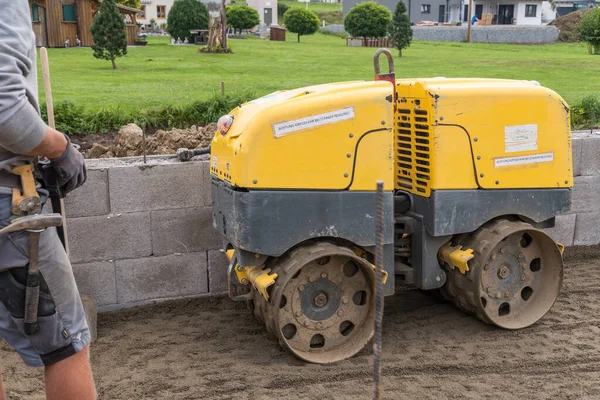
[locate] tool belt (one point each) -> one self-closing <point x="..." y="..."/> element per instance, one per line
<point x="9" y="180"/>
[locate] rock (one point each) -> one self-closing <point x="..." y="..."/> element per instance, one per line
<point x="97" y="151"/>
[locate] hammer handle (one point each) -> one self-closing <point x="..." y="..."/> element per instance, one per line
<point x="32" y="290"/>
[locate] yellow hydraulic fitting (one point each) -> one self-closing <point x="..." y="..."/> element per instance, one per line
<point x="259" y="278"/>
<point x="363" y="254"/>
<point x="455" y="257"/>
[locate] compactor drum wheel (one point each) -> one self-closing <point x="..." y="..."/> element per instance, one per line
<point x="321" y="307"/>
<point x="514" y="278"/>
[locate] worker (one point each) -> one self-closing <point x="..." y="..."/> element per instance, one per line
<point x="474" y="19"/>
<point x="61" y="344"/>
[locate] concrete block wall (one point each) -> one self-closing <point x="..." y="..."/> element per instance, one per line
<point x="488" y="34"/>
<point x="140" y="233"/>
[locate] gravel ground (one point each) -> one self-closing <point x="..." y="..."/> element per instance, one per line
<point x="212" y="348"/>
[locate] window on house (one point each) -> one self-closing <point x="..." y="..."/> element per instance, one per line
<point x="68" y="13"/>
<point x="426" y="8"/>
<point x="35" y="13"/>
<point x="530" y="10"/>
<point x="143" y="12"/>
<point x="161" y="11"/>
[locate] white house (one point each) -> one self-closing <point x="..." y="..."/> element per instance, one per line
<point x="267" y="11"/>
<point x="509" y="12"/>
<point x="158" y="10"/>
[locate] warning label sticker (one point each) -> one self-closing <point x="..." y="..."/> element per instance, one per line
<point x="520" y="138"/>
<point x="287" y="127"/>
<point x="534" y="158"/>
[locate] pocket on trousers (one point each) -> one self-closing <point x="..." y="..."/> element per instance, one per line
<point x="51" y="336"/>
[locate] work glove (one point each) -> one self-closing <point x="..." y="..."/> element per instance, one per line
<point x="69" y="169"/>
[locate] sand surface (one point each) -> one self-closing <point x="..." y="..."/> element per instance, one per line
<point x="213" y="348"/>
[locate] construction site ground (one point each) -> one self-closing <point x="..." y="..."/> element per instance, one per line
<point x="212" y="348"/>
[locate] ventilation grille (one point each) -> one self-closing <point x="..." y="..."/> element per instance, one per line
<point x="413" y="145"/>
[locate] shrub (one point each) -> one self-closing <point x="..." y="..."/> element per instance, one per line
<point x="73" y="119"/>
<point x="108" y="33"/>
<point x="367" y="20"/>
<point x="281" y="9"/>
<point x="184" y="16"/>
<point x="300" y="21"/>
<point x="400" y="30"/>
<point x="589" y="30"/>
<point x="581" y="113"/>
<point x="242" y="17"/>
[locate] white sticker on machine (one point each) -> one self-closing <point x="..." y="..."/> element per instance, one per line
<point x="531" y="159"/>
<point x="287" y="127"/>
<point x="520" y="138"/>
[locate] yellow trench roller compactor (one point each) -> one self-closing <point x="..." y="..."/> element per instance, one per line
<point x="473" y="170"/>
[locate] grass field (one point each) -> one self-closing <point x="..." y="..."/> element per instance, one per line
<point x="158" y="75"/>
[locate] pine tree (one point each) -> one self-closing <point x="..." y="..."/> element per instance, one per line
<point x="400" y="30"/>
<point x="108" y="33"/>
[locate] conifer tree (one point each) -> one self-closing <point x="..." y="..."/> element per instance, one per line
<point x="400" y="30"/>
<point x="108" y="33"/>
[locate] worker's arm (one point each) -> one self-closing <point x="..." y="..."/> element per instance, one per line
<point x="21" y="127"/>
<point x="22" y="130"/>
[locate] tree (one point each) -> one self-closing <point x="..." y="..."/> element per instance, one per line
<point x="302" y="22"/>
<point x="367" y="20"/>
<point x="242" y="17"/>
<point x="281" y="9"/>
<point x="589" y="30"/>
<point x="108" y="33"/>
<point x="131" y="3"/>
<point x="184" y="16"/>
<point x="400" y="30"/>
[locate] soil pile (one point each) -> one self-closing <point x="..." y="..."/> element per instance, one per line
<point x="129" y="142"/>
<point x="567" y="23"/>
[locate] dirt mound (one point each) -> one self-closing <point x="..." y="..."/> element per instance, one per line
<point x="566" y="24"/>
<point x="129" y="141"/>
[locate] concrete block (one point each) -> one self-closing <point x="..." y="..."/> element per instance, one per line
<point x="590" y="156"/>
<point x="217" y="271"/>
<point x="161" y="277"/>
<point x="587" y="229"/>
<point x="576" y="145"/>
<point x="156" y="187"/>
<point x="97" y="280"/>
<point x="207" y="183"/>
<point x="564" y="229"/>
<point x="91" y="198"/>
<point x="109" y="237"/>
<point x="183" y="230"/>
<point x="586" y="192"/>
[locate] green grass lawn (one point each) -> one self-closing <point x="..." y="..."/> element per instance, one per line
<point x="158" y="74"/>
<point x="316" y="7"/>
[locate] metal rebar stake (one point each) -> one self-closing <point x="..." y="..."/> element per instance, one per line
<point x="379" y="237"/>
<point x="144" y="140"/>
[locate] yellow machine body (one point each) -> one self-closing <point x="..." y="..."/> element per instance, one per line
<point x="439" y="134"/>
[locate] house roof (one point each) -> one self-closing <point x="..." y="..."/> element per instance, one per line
<point x="126" y="8"/>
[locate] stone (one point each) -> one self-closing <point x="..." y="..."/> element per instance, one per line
<point x="217" y="271"/>
<point x="585" y="194"/>
<point x="587" y="229"/>
<point x="91" y="198"/>
<point x="564" y="230"/>
<point x="97" y="151"/>
<point x="164" y="277"/>
<point x="97" y="280"/>
<point x="576" y="145"/>
<point x="183" y="230"/>
<point x="590" y="156"/>
<point x="157" y="187"/>
<point x="110" y="237"/>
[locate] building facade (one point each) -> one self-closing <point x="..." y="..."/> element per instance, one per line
<point x="66" y="23"/>
<point x="502" y="12"/>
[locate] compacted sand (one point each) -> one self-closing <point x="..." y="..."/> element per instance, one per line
<point x="213" y="348"/>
